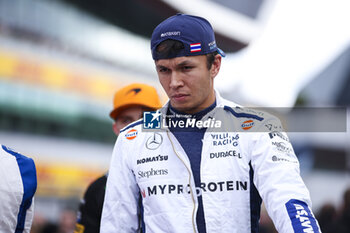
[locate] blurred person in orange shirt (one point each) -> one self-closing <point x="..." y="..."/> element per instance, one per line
<point x="129" y="104"/>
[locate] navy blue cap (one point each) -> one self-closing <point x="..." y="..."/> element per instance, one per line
<point x="194" y="32"/>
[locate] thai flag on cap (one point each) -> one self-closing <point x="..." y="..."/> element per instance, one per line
<point x="196" y="47"/>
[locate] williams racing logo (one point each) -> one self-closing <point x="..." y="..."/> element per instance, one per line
<point x="223" y="139"/>
<point x="167" y="189"/>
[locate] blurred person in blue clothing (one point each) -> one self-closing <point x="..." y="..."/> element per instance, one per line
<point x="18" y="183"/>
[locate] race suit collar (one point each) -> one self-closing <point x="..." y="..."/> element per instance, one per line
<point x="197" y="115"/>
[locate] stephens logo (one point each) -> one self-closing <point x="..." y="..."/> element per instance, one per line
<point x="152" y="172"/>
<point x="131" y="134"/>
<point x="247" y="124"/>
<point x="204" y="187"/>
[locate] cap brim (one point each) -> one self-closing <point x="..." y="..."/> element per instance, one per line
<point x="222" y="53"/>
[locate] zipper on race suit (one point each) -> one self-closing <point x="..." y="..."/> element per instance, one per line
<point x="190" y="176"/>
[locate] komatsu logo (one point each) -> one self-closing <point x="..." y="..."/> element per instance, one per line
<point x="152" y="159"/>
<point x="301" y="217"/>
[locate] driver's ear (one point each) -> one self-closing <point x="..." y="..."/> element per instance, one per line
<point x="215" y="67"/>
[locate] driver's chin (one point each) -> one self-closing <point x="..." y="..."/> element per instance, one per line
<point x="180" y="107"/>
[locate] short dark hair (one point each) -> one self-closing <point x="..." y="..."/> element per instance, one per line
<point x="170" y="48"/>
<point x="211" y="58"/>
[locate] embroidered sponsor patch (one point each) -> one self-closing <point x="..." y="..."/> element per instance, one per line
<point x="247" y="124"/>
<point x="301" y="217"/>
<point x="131" y="134"/>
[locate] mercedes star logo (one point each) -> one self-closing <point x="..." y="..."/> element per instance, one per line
<point x="154" y="141"/>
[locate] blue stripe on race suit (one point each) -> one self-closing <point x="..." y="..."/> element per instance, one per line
<point x="29" y="180"/>
<point x="131" y="125"/>
<point x="187" y="139"/>
<point x="301" y="217"/>
<point x="255" y="203"/>
<point x="236" y="114"/>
